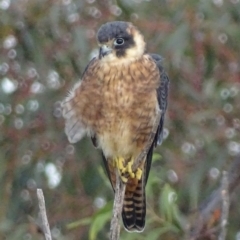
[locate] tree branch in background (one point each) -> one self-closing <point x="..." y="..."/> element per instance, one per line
<point x="43" y="214"/>
<point x="225" y="206"/>
<point x="217" y="202"/>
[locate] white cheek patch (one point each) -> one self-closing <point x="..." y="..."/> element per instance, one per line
<point x="138" y="50"/>
<point x="74" y="128"/>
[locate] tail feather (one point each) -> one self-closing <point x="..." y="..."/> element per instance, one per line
<point x="134" y="206"/>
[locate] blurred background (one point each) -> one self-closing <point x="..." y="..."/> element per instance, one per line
<point x="45" y="46"/>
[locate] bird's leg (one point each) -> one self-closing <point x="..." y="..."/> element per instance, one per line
<point x="119" y="163"/>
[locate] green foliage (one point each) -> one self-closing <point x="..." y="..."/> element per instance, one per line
<point x="44" y="48"/>
<point x="99" y="220"/>
<point x="167" y="205"/>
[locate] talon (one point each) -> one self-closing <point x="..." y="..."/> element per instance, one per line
<point x="119" y="164"/>
<point x="139" y="174"/>
<point x="124" y="179"/>
<point x="129" y="168"/>
<point x="132" y="175"/>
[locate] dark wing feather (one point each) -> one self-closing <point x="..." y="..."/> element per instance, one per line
<point x="162" y="94"/>
<point x="107" y="168"/>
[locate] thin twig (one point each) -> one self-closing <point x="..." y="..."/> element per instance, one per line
<point x="43" y="214"/>
<point x="225" y="206"/>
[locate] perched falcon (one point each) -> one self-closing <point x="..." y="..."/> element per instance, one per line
<point x="116" y="103"/>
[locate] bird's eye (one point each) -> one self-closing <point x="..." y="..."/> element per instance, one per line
<point x="119" y="41"/>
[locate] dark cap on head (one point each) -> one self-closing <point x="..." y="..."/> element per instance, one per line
<point x="112" y="30"/>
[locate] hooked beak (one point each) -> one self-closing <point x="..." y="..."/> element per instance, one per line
<point x="104" y="50"/>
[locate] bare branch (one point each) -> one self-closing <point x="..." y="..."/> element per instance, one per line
<point x="117" y="208"/>
<point x="225" y="206"/>
<point x="43" y="214"/>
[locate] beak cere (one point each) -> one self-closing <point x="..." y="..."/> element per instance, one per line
<point x="104" y="50"/>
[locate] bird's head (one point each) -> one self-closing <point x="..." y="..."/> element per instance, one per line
<point x="120" y="42"/>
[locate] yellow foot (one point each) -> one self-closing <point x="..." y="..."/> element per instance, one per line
<point x="126" y="171"/>
<point x="129" y="168"/>
<point x="119" y="163"/>
<point x="139" y="173"/>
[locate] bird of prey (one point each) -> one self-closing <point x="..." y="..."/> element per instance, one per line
<point x="116" y="103"/>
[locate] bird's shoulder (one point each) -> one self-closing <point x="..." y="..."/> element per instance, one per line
<point x="157" y="59"/>
<point x="90" y="68"/>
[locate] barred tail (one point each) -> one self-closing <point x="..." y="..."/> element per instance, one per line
<point x="134" y="203"/>
<point x="134" y="206"/>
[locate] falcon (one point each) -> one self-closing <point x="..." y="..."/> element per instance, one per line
<point x="116" y="103"/>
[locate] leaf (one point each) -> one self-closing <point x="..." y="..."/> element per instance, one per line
<point x="167" y="205"/>
<point x="81" y="222"/>
<point x="99" y="220"/>
<point x="157" y="232"/>
<point x="156" y="157"/>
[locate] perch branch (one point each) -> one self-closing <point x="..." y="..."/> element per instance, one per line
<point x="43" y="214"/>
<point x="117" y="208"/>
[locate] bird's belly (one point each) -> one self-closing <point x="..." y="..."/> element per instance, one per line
<point x="118" y="140"/>
<point x="127" y="126"/>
